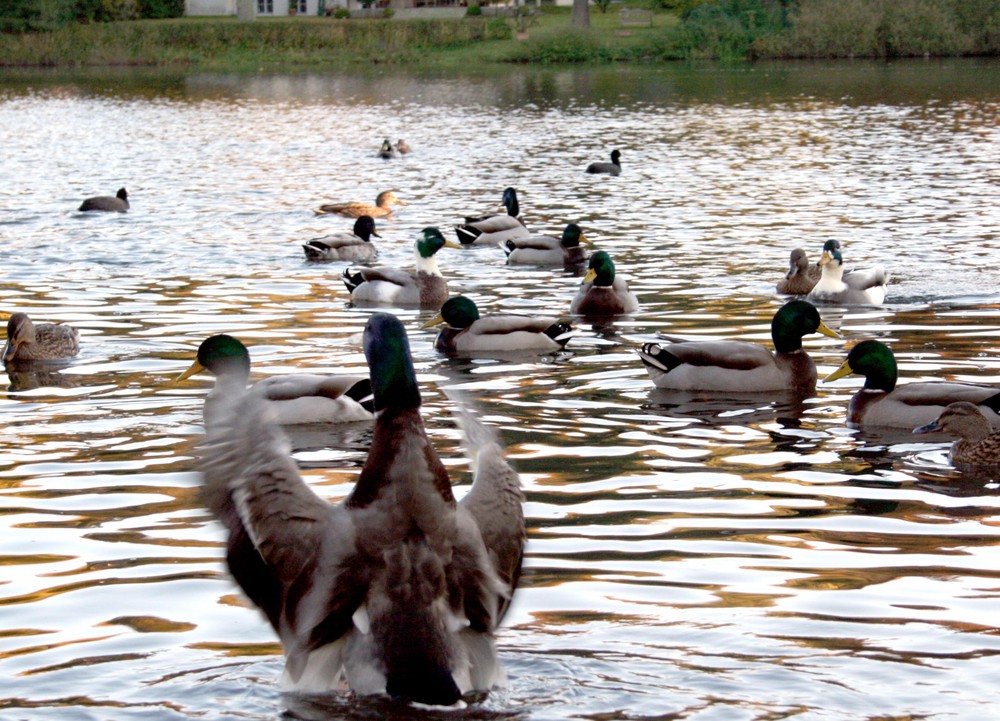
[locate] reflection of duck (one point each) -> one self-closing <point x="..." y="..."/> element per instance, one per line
<point x="739" y="366"/>
<point x="118" y="203"/>
<point x="602" y="293"/>
<point x="494" y="229"/>
<point x="978" y="444"/>
<point x="30" y="378"/>
<point x="355" y="245"/>
<point x="862" y="287"/>
<point x="548" y="249"/>
<point x="397" y="590"/>
<point x="393" y="286"/>
<point x="292" y="399"/>
<point x="882" y="403"/>
<point x="801" y="277"/>
<point x="469" y="332"/>
<point x="355" y="209"/>
<point x="28" y="341"/>
<point x="612" y="168"/>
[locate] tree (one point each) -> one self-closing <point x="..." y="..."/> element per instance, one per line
<point x="581" y="14"/>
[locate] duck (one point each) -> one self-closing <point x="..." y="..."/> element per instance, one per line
<point x="403" y="147"/>
<point x="859" y="287"/>
<point x="355" y="245"/>
<point x="28" y="341"/>
<point x="801" y="277"/>
<point x="881" y="403"/>
<point x="494" y="229"/>
<point x="602" y="293"/>
<point x="469" y="332"/>
<point x="548" y="249"/>
<point x="355" y="209"/>
<point x="117" y="204"/>
<point x="398" y="589"/>
<point x="425" y="287"/>
<point x="741" y="366"/>
<point x="612" y="168"/>
<point x="977" y="445"/>
<point x="293" y="399"/>
<point x="388" y="150"/>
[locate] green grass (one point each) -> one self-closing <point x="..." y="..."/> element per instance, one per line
<point x="735" y="30"/>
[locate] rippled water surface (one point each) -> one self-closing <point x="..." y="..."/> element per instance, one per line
<point x="689" y="558"/>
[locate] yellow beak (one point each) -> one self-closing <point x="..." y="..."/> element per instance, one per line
<point x="827" y="331"/>
<point x="586" y="241"/>
<point x="452" y="244"/>
<point x="845" y="369"/>
<point x="825" y="258"/>
<point x="591" y="275"/>
<point x="195" y="368"/>
<point x="436" y="320"/>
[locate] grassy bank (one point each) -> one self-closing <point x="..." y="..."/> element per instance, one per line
<point x="717" y="29"/>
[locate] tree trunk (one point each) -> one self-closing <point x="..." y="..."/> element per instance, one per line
<point x="581" y="14"/>
<point x="246" y="10"/>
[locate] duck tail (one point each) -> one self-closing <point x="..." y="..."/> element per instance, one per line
<point x="362" y="393"/>
<point x="314" y="251"/>
<point x="467" y="233"/>
<point x="509" y="246"/>
<point x="654" y="356"/>
<point x="352" y="280"/>
<point x="993" y="403"/>
<point x="560" y="332"/>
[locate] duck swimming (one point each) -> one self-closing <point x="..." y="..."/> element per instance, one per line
<point x="397" y="590"/>
<point x="548" y="249"/>
<point x="602" y="293"/>
<point x="494" y="229"/>
<point x="354" y="245"/>
<point x="612" y="168"/>
<point x="881" y="403"/>
<point x="468" y="332"/>
<point x="977" y="445"/>
<point x="859" y="287"/>
<point x="739" y="366"/>
<point x="28" y="341"/>
<point x="355" y="209"/>
<point x="425" y="287"/>
<point x="292" y="399"/>
<point x="801" y="277"/>
<point x="117" y="204"/>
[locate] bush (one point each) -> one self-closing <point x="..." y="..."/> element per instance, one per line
<point x="161" y="9"/>
<point x="733" y="29"/>
<point x="105" y="11"/>
<point x="25" y="16"/>
<point x="341" y="13"/>
<point x="474" y="10"/>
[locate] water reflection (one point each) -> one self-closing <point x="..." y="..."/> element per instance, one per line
<point x="689" y="556"/>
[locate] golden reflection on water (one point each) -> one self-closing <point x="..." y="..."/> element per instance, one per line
<point x="687" y="553"/>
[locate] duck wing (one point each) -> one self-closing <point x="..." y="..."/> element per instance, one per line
<point x="867" y="278"/>
<point x="495" y="502"/>
<point x="292" y="553"/>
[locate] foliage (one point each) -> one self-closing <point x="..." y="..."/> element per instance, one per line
<point x="474" y="10"/>
<point x="105" y="11"/>
<point x="602" y="5"/>
<point x="161" y="9"/>
<point x="341" y="13"/>
<point x="19" y="16"/>
<point x="731" y="29"/>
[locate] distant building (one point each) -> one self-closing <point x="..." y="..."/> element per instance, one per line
<point x="314" y="7"/>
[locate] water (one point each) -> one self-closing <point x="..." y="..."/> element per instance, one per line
<point x="689" y="558"/>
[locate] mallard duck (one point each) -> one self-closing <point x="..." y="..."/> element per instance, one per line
<point x="861" y="287"/>
<point x="356" y="245"/>
<point x="881" y="403"/>
<point x="118" y="203"/>
<point x="612" y="168"/>
<point x="801" y="277"/>
<point x="468" y="332"/>
<point x="355" y="209"/>
<point x="426" y="287"/>
<point x="602" y="293"/>
<point x="978" y="444"/>
<point x="398" y="589"/>
<point x="27" y="341"/>
<point x="494" y="229"/>
<point x="388" y="150"/>
<point x="740" y="366"/>
<point x="293" y="399"/>
<point x="403" y="147"/>
<point x="548" y="249"/>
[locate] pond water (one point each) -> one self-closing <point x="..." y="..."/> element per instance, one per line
<point x="689" y="558"/>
